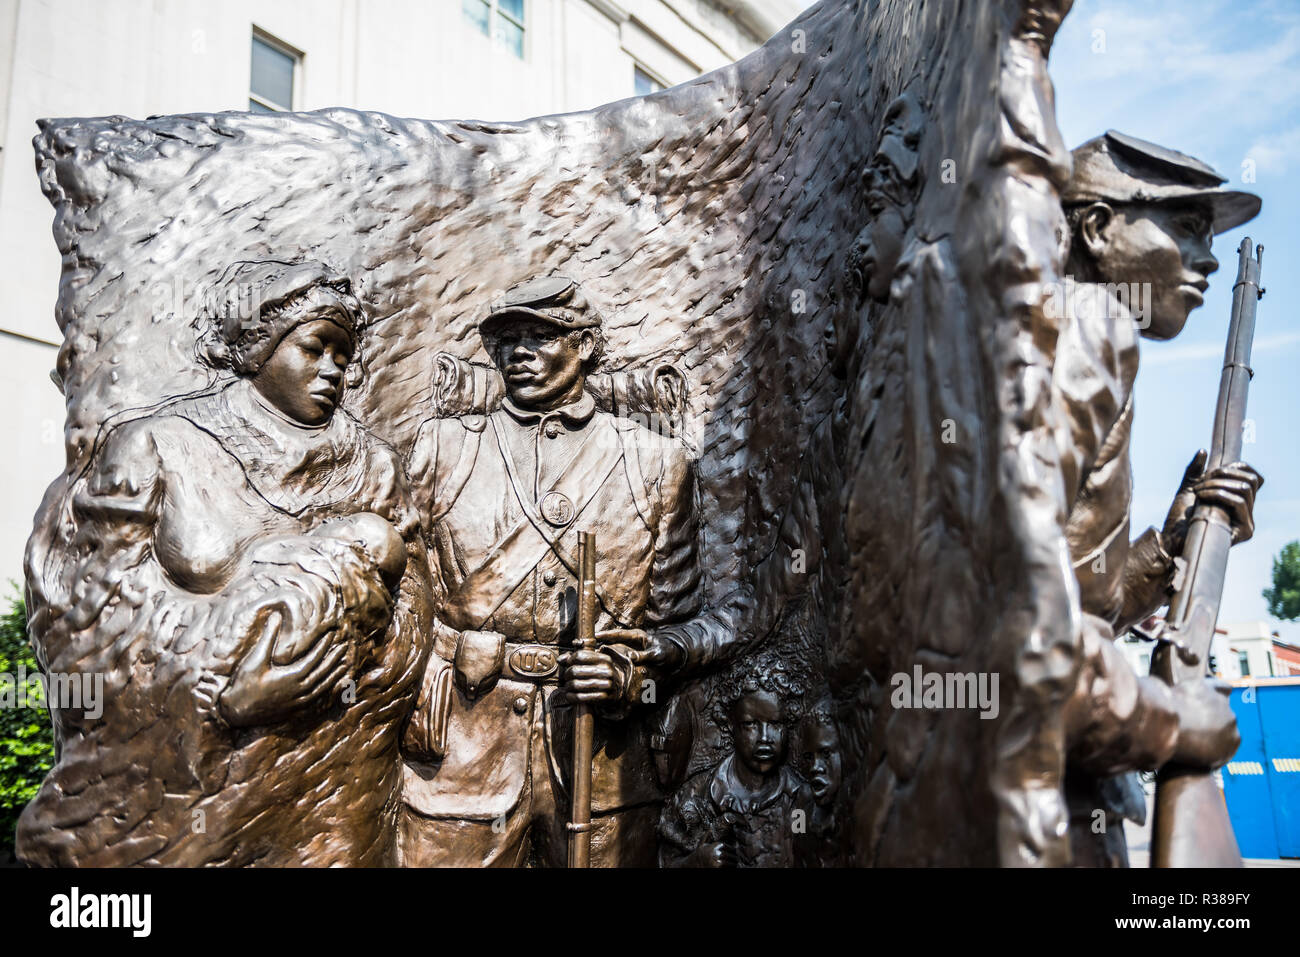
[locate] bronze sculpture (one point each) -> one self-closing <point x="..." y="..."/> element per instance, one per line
<point x="818" y="758"/>
<point x="829" y="437"/>
<point x="502" y="498"/>
<point x="751" y="809"/>
<point x="1141" y="218"/>
<point x="237" y="560"/>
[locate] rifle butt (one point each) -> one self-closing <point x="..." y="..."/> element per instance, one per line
<point x="1191" y="826"/>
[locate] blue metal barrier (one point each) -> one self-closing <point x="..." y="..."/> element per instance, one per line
<point x="1262" y="781"/>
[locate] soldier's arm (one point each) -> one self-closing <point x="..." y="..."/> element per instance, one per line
<point x="1148" y="575"/>
<point x="676" y="610"/>
<point x="795" y="561"/>
<point x="422" y="470"/>
<point x="1117" y="720"/>
<point x="1149" y="571"/>
<point x="435" y="445"/>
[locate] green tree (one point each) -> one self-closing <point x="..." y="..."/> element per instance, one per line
<point x="26" y="736"/>
<point x="1284" y="597"/>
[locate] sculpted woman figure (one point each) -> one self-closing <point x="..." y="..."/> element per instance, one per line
<point x="240" y="566"/>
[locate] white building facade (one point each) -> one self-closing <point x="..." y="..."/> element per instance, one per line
<point x="1241" y="650"/>
<point x="432" y="59"/>
<point x="1245" y="650"/>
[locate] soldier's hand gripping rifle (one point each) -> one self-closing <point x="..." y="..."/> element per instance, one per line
<point x="1191" y="827"/>
<point x="584" y="722"/>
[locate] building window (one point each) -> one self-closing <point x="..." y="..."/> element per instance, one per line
<point x="503" y="20"/>
<point x="1243" y="660"/>
<point x="644" y="83"/>
<point x="274" y="73"/>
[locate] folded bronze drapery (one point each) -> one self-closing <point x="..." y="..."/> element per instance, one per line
<point x="462" y="387"/>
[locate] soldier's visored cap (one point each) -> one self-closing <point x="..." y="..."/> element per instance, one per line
<point x="1117" y="168"/>
<point x="557" y="300"/>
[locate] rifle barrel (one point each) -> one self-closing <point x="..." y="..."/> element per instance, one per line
<point x="1191" y="827"/>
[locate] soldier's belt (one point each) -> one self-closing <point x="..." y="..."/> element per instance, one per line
<point x="520" y="661"/>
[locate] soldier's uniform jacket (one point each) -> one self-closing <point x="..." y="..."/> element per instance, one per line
<point x="501" y="499"/>
<point x="1093" y="377"/>
<point x="1121" y="582"/>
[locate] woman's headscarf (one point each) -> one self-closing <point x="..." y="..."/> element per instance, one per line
<point x="252" y="309"/>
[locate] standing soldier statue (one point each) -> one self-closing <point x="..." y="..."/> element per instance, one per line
<point x="502" y="498"/>
<point x="1141" y="221"/>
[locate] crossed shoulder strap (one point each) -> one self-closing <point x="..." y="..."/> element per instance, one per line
<point x="597" y="470"/>
<point x="636" y="480"/>
<point x="525" y="544"/>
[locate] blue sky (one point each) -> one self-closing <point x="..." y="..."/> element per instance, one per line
<point x="1219" y="79"/>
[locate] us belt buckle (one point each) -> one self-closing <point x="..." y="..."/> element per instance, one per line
<point x="557" y="509"/>
<point x="535" y="662"/>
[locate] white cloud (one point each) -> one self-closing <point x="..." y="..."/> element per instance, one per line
<point x="1161" y="355"/>
<point x="1214" y="67"/>
<point x="1276" y="152"/>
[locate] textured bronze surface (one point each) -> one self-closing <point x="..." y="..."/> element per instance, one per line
<point x="777" y="337"/>
<point x="253" y="589"/>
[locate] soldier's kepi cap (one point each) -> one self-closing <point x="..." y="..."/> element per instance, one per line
<point x="557" y="300"/>
<point x="1117" y="168"/>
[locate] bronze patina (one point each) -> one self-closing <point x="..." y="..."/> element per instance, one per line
<point x="504" y="498"/>
<point x="246" y="572"/>
<point x="1142" y="218"/>
<point x="782" y="348"/>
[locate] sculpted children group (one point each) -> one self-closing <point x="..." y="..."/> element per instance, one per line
<point x="359" y="655"/>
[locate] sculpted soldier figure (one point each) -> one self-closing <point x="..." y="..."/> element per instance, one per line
<point x="244" y="567"/>
<point x="502" y="497"/>
<point x="1141" y="220"/>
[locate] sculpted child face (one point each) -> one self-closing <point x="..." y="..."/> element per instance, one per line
<point x="759" y="732"/>
<point x="544" y="366"/>
<point x="820" y="760"/>
<point x="1166" y="245"/>
<point x="304" y="377"/>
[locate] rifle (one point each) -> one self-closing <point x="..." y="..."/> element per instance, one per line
<point x="584" y="722"/>
<point x="1191" y="827"/>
